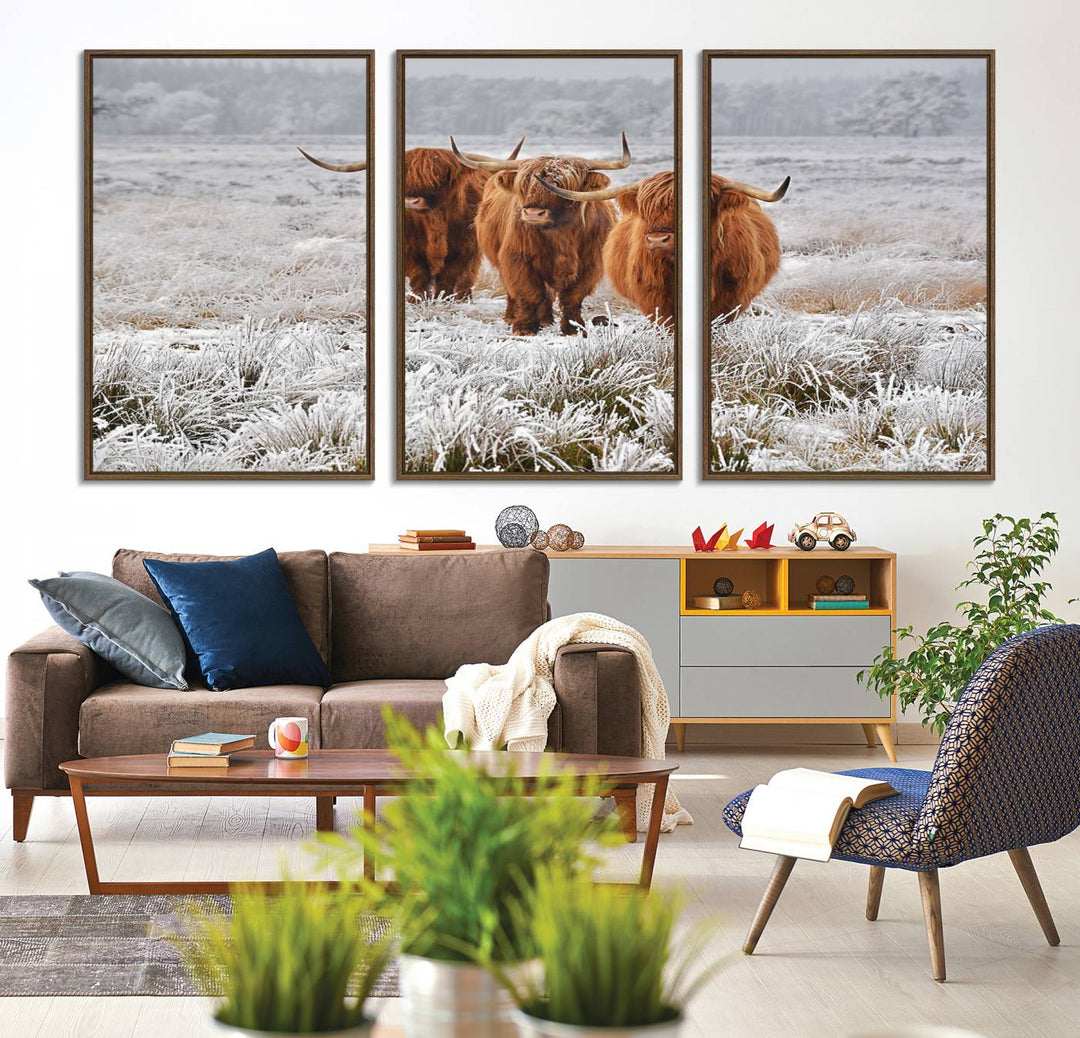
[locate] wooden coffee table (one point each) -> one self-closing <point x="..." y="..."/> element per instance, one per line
<point x="327" y="774"/>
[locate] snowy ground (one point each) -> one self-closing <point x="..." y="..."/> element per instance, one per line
<point x="478" y="399"/>
<point x="229" y="306"/>
<point x="868" y="351"/>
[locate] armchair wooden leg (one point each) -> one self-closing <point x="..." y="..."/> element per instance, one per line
<point x="680" y="736"/>
<point x="871" y="739"/>
<point x="873" y="892"/>
<point x="21" y="805"/>
<point x="931" y="906"/>
<point x="781" y="871"/>
<point x="1025" y="869"/>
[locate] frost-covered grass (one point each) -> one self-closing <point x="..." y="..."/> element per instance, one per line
<point x="229" y="307"/>
<point x="478" y="399"/>
<point x="868" y="350"/>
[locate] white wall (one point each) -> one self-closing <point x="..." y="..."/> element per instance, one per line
<point x="55" y="521"/>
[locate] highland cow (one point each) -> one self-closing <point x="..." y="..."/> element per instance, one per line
<point x="543" y="246"/>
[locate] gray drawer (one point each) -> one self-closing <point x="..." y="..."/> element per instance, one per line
<point x="782" y="641"/>
<point x="778" y="692"/>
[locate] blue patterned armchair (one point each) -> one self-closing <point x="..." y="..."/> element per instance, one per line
<point x="1006" y="777"/>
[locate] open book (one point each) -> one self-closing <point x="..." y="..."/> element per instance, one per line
<point x="800" y="812"/>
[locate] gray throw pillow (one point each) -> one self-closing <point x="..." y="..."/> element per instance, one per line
<point x="136" y="635"/>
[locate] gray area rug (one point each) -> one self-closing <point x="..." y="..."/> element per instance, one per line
<point x="109" y="944"/>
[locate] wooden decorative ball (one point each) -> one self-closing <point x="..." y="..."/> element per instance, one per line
<point x="845" y="585"/>
<point x="825" y="585"/>
<point x="577" y="542"/>
<point x="539" y="540"/>
<point x="560" y="537"/>
<point x="751" y="599"/>
<point x="723" y="586"/>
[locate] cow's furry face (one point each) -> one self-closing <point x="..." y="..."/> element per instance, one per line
<point x="654" y="202"/>
<point x="537" y="206"/>
<point x="431" y="175"/>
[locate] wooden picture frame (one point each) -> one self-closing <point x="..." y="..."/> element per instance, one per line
<point x="283" y="230"/>
<point x="581" y="462"/>
<point x="769" y="451"/>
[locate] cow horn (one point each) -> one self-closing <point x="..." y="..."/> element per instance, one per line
<point x="482" y="161"/>
<point x="599" y="195"/>
<point x="756" y="192"/>
<point x="618" y="163"/>
<point x="352" y="167"/>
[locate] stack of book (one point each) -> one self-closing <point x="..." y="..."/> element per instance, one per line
<point x="436" y="540"/>
<point x="838" y="601"/>
<point x="209" y="750"/>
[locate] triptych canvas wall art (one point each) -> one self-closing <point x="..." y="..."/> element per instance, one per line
<point x="846" y="277"/>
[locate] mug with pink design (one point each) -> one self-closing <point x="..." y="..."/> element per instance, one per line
<point x="288" y="737"/>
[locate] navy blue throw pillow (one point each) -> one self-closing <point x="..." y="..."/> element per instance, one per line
<point x="240" y="621"/>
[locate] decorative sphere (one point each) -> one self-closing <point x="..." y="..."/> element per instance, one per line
<point x="751" y="599"/>
<point x="515" y="526"/>
<point x="723" y="586"/>
<point x="560" y="537"/>
<point x="539" y="540"/>
<point x="825" y="585"/>
<point x="577" y="542"/>
<point x="845" y="585"/>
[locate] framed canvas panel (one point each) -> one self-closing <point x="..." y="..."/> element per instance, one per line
<point x="539" y="264"/>
<point x="849" y="264"/>
<point x="228" y="264"/>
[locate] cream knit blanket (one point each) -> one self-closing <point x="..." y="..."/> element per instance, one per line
<point x="510" y="705"/>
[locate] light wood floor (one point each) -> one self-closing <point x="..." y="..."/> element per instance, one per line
<point x="820" y="969"/>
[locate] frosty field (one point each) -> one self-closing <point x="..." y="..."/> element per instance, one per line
<point x="229" y="302"/>
<point x="478" y="399"/>
<point x="868" y="350"/>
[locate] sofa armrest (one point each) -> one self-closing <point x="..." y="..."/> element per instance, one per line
<point x="599" y="699"/>
<point x="47" y="680"/>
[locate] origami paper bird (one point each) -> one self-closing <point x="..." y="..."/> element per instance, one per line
<point x="700" y="544"/>
<point x="762" y="536"/>
<point x="733" y="541"/>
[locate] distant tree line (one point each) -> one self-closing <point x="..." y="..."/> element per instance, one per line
<point x="459" y="104"/>
<point x="909" y="105"/>
<point x="229" y="96"/>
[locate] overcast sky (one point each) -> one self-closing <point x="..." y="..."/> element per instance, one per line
<point x="764" y="69"/>
<point x="614" y="67"/>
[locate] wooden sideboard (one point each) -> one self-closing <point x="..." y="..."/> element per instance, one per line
<point x="781" y="663"/>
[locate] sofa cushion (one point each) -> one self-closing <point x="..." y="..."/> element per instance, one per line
<point x="122" y="718"/>
<point x="240" y="619"/>
<point x="352" y="712"/>
<point x="396" y="616"/>
<point x="304" y="571"/>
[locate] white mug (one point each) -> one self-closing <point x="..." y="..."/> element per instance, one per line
<point x="288" y="737"/>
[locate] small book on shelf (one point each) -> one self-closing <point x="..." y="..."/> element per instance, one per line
<point x="197" y="760"/>
<point x="801" y="811"/>
<point x="435" y="538"/>
<point x="436" y="545"/>
<point x="718" y="602"/>
<point x="212" y="744"/>
<point x="455" y="534"/>
<point x="837" y="598"/>
<point x="825" y="603"/>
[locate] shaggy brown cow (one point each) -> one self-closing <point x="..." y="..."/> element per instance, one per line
<point x="640" y="253"/>
<point x="542" y="245"/>
<point x="440" y="197"/>
<point x="745" y="247"/>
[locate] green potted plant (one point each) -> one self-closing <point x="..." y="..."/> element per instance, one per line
<point x="298" y="962"/>
<point x="606" y="960"/>
<point x="465" y="849"/>
<point x="1010" y="556"/>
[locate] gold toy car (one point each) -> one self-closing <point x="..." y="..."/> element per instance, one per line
<point x="825" y="526"/>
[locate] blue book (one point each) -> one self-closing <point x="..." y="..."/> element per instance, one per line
<point x="212" y="744"/>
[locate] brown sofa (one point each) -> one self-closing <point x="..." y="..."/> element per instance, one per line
<point x="391" y="629"/>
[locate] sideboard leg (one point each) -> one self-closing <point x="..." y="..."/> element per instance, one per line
<point x="884" y="732"/>
<point x="680" y="736"/>
<point x="871" y="739"/>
